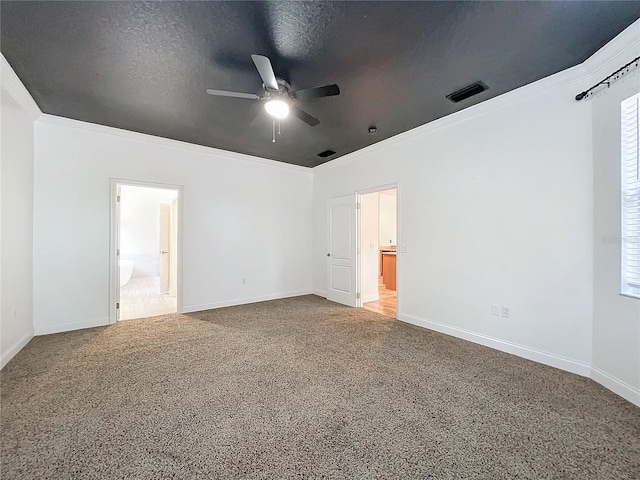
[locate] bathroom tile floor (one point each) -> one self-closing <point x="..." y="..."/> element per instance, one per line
<point x="141" y="298"/>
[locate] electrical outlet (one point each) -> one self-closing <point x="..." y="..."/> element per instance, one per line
<point x="495" y="309"/>
<point x="506" y="311"/>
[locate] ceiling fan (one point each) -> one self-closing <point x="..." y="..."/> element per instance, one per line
<point x="279" y="100"/>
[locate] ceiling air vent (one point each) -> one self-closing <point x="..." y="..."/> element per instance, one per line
<point x="326" y="153"/>
<point x="466" y="92"/>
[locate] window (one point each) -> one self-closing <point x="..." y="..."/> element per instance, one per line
<point x="630" y="156"/>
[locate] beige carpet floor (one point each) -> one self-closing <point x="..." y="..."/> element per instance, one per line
<point x="301" y="388"/>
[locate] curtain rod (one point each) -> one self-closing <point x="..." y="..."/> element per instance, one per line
<point x="611" y="78"/>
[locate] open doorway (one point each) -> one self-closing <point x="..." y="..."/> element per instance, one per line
<point x="378" y="247"/>
<point x="146" y="239"/>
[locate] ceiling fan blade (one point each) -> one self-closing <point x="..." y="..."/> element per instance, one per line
<point x="263" y="64"/>
<point x="304" y="116"/>
<point x="317" y="92"/>
<point x="224" y="93"/>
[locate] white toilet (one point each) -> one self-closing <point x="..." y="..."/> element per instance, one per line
<point x="126" y="270"/>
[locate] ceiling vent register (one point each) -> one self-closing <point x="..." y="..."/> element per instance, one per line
<point x="326" y="153"/>
<point x="468" y="91"/>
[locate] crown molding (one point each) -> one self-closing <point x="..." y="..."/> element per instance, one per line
<point x="619" y="51"/>
<point x="625" y="46"/>
<point x="17" y="90"/>
<point x="574" y="75"/>
<point x="165" y="142"/>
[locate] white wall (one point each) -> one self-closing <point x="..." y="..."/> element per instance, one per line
<point x="495" y="207"/>
<point x="369" y="220"/>
<point x="243" y="217"/>
<point x="616" y="319"/>
<point x="388" y="220"/>
<point x="17" y="115"/>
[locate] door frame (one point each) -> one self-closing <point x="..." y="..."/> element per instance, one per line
<point x="114" y="227"/>
<point x="400" y="249"/>
<point x="165" y="238"/>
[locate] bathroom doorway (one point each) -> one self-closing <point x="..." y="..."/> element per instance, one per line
<point x="378" y="251"/>
<point x="147" y="256"/>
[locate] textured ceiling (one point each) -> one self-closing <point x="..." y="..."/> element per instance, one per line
<point x="145" y="66"/>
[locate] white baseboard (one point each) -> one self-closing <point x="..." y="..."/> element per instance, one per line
<point x="320" y="293"/>
<point x="374" y="297"/>
<point x="69" y="326"/>
<point x="243" y="301"/>
<point x="616" y="385"/>
<point x="539" y="356"/>
<point x="8" y="354"/>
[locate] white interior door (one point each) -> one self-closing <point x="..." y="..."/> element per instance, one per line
<point x="341" y="254"/>
<point x="165" y="241"/>
<point x="173" y="249"/>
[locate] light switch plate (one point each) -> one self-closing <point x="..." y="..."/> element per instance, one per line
<point x="506" y="312"/>
<point x="495" y="309"/>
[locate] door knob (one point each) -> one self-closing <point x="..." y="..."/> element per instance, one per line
<point x="162" y="251"/>
<point x="328" y="254"/>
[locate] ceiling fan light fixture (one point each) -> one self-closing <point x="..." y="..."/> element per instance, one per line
<point x="277" y="108"/>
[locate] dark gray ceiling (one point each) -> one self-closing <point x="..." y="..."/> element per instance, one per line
<point x="144" y="66"/>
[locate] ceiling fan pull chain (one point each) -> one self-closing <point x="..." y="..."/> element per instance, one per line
<point x="273" y="137"/>
<point x="279" y="123"/>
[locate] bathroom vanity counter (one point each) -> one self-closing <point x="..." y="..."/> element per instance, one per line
<point x="389" y="269"/>
<point x="383" y="250"/>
